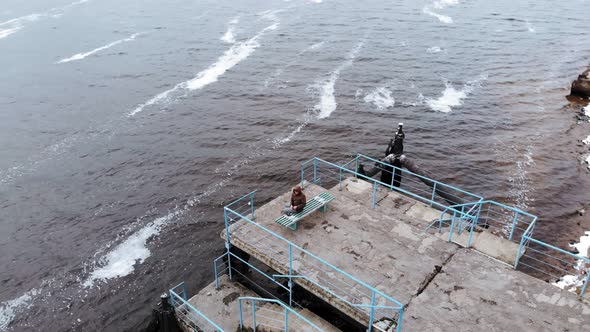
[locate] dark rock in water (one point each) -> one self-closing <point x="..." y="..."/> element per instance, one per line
<point x="581" y="86"/>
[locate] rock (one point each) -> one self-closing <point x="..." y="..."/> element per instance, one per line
<point x="581" y="86"/>
<point x="581" y="212"/>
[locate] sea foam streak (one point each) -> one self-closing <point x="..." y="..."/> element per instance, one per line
<point x="280" y="70"/>
<point x="81" y="56"/>
<point x="443" y="18"/>
<point x="237" y="53"/>
<point x="9" y="309"/>
<point x="13" y="25"/>
<point x="327" y="103"/>
<point x="228" y="37"/>
<point x="121" y="261"/>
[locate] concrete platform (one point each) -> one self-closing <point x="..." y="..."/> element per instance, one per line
<point x="444" y="286"/>
<point x="221" y="306"/>
<point x="374" y="245"/>
<point x="475" y="293"/>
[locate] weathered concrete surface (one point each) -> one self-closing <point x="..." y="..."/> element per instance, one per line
<point x="476" y="293"/>
<point x="373" y="245"/>
<point x="221" y="305"/>
<point x="270" y="317"/>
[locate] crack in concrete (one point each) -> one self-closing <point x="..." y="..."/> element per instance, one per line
<point x="437" y="269"/>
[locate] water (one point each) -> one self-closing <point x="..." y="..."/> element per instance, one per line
<point x="114" y="164"/>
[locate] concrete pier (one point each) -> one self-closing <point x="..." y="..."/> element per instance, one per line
<point x="444" y="286"/>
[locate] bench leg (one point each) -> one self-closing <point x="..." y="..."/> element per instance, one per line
<point x="293" y="227"/>
<point x="324" y="208"/>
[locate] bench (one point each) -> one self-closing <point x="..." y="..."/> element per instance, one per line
<point x="320" y="202"/>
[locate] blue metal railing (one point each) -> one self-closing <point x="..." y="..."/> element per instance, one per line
<point x="502" y="220"/>
<point x="188" y="313"/>
<point x="299" y="263"/>
<point x="322" y="172"/>
<point x="553" y="262"/>
<point x="289" y="318"/>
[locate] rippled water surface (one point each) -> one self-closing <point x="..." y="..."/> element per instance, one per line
<point x="126" y="125"/>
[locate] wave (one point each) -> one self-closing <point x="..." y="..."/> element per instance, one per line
<point x="237" y="53"/>
<point x="586" y="110"/>
<point x="433" y="49"/>
<point x="228" y="37"/>
<point x="381" y="98"/>
<point x="81" y="56"/>
<point x="327" y="103"/>
<point x="443" y="18"/>
<point x="452" y="97"/>
<point x="13" y="25"/>
<point x="587" y="140"/>
<point x="121" y="261"/>
<point x="9" y="309"/>
<point x="279" y="71"/>
<point x="530" y="27"/>
<point x="442" y="4"/>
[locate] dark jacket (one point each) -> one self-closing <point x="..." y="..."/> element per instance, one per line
<point x="298" y="201"/>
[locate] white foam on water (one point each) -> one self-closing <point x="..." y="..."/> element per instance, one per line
<point x="229" y="37"/>
<point x="121" y="261"/>
<point x="450" y="98"/>
<point x="10" y="308"/>
<point x="237" y="53"/>
<point x="381" y="98"/>
<point x="81" y="56"/>
<point x="443" y="18"/>
<point x="573" y="282"/>
<point x="588" y="161"/>
<point x="433" y="49"/>
<point x="587" y="140"/>
<point x="277" y="142"/>
<point x="520" y="183"/>
<point x="441" y="4"/>
<point x="13" y="25"/>
<point x="327" y="104"/>
<point x="316" y="45"/>
<point x="587" y="111"/>
<point x="530" y="27"/>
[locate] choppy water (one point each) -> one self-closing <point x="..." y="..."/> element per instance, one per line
<point x="125" y="126"/>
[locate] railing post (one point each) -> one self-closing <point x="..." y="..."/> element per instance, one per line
<point x="400" y="318"/>
<point x="184" y="294"/>
<point x="433" y="192"/>
<point x="229" y="262"/>
<point x="372" y="314"/>
<point x="216" y="275"/>
<point x="513" y="225"/>
<point x="254" y="315"/>
<point x="452" y="226"/>
<point x="302" y="175"/>
<point x="172" y="299"/>
<point x="585" y="283"/>
<point x="522" y="239"/>
<point x="340" y="179"/>
<point x="225" y="218"/>
<point x="241" y="315"/>
<point x="286" y="320"/>
<point x="252" y="205"/>
<point x="290" y="274"/>
<point x="374" y="194"/>
<point x="315" y="170"/>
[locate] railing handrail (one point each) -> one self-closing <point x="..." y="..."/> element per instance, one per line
<point x="336" y="295"/>
<point x="286" y="307"/>
<point x="192" y="308"/>
<point x="509" y="208"/>
<point x="316" y="257"/>
<point x="420" y="176"/>
<point x="586" y="259"/>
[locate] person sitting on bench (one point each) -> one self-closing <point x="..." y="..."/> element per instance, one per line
<point x="298" y="202"/>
